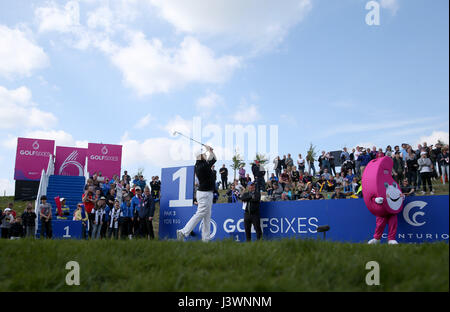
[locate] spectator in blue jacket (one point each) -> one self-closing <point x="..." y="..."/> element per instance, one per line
<point x="364" y="159"/>
<point x="136" y="204"/>
<point x="146" y="212"/>
<point x="126" y="217"/>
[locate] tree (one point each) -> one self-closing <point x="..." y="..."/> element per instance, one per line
<point x="261" y="158"/>
<point x="237" y="163"/>
<point x="311" y="154"/>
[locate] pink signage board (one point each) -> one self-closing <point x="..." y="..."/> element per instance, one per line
<point x="104" y="158"/>
<point x="70" y="161"/>
<point x="31" y="157"/>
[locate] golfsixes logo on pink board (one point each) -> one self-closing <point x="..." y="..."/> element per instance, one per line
<point x="70" y="161"/>
<point x="31" y="157"/>
<point x="104" y="158"/>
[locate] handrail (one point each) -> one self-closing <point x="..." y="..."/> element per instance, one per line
<point x="43" y="184"/>
<point x="86" y="173"/>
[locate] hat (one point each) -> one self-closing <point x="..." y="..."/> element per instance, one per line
<point x="423" y="153"/>
<point x="7" y="209"/>
<point x="249" y="183"/>
<point x="62" y="199"/>
<point x="138" y="188"/>
<point x="102" y="198"/>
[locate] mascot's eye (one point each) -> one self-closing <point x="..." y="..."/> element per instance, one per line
<point x="395" y="185"/>
<point x="386" y="185"/>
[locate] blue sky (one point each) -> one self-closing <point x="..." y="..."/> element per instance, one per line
<point x="131" y="71"/>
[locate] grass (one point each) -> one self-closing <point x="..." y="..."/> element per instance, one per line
<point x="286" y="265"/>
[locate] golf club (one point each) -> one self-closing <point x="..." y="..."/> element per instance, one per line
<point x="176" y="132"/>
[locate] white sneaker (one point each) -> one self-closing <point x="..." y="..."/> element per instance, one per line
<point x="431" y="193"/>
<point x="423" y="192"/>
<point x="374" y="241"/>
<point x="393" y="242"/>
<point x="180" y="235"/>
<point x="130" y="236"/>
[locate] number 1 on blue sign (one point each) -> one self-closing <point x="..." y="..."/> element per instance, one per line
<point x="181" y="201"/>
<point x="67" y="235"/>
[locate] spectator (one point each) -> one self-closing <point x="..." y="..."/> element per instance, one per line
<point x="364" y="159"/>
<point x="283" y="163"/>
<point x="110" y="198"/>
<point x="29" y="220"/>
<point x="224" y="177"/>
<point x="287" y="194"/>
<point x="273" y="178"/>
<point x="325" y="174"/>
<point x="398" y="168"/>
<point x="346" y="188"/>
<point x="7" y="220"/>
<point x="411" y="168"/>
<point x="316" y="195"/>
<point x="284" y="179"/>
<point x="357" y="153"/>
<point x="389" y="151"/>
<point x="380" y="153"/>
<point x="337" y="194"/>
<point x="295" y="175"/>
<point x="407" y="189"/>
<point x="98" y="212"/>
<point x="277" y="166"/>
<point x="331" y="184"/>
<point x="444" y="163"/>
<point x="78" y="216"/>
<point x="232" y="194"/>
<point x="289" y="162"/>
<point x="277" y="190"/>
<point x="156" y="187"/>
<point x="65" y="210"/>
<point x="45" y="211"/>
<point x="332" y="164"/>
<point x="113" y="224"/>
<point x="301" y="164"/>
<point x="242" y="176"/>
<point x="146" y="214"/>
<point x="136" y="204"/>
<point x="11" y="206"/>
<point x="425" y="169"/>
<point x="344" y="155"/>
<point x="252" y="200"/>
<point x="311" y="166"/>
<point x="321" y="184"/>
<point x="126" y="177"/>
<point x="126" y="216"/>
<point x="16" y="230"/>
<point x="89" y="203"/>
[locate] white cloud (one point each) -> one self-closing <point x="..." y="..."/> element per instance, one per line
<point x="247" y="113"/>
<point x="391" y="5"/>
<point x="209" y="101"/>
<point x="178" y="124"/>
<point x="61" y="137"/>
<point x="434" y="137"/>
<point x="19" y="55"/>
<point x="261" y="23"/>
<point x="143" y="122"/>
<point x="55" y="18"/>
<point x="18" y="111"/>
<point x="148" y="67"/>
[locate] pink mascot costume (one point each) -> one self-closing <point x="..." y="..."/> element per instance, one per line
<point x="383" y="197"/>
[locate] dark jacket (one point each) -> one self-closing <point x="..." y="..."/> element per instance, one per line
<point x="16" y="230"/>
<point x="29" y="218"/>
<point x="205" y="175"/>
<point x="148" y="208"/>
<point x="253" y="200"/>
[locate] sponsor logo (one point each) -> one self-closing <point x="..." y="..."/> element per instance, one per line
<point x="34" y="153"/>
<point x="413" y="220"/>
<point x="213" y="230"/>
<point x="35" y="145"/>
<point x="100" y="157"/>
<point x="71" y="160"/>
<point x="104" y="150"/>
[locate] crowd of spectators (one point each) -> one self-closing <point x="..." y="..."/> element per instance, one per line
<point x="413" y="169"/>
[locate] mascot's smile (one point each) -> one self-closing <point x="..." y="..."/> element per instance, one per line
<point x="393" y="194"/>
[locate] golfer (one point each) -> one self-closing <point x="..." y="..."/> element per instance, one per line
<point x="206" y="185"/>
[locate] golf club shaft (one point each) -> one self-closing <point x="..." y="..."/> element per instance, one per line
<point x="190" y="138"/>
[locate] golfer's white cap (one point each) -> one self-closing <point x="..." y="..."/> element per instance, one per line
<point x="423" y="153"/>
<point x="198" y="152"/>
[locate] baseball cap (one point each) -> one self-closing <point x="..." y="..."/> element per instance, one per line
<point x="249" y="183"/>
<point x="423" y="153"/>
<point x="103" y="198"/>
<point x="62" y="199"/>
<point x="7" y="209"/>
<point x="138" y="188"/>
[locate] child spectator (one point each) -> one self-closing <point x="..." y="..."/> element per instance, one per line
<point x="29" y="221"/>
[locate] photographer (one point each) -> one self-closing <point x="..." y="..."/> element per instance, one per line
<point x="252" y="200"/>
